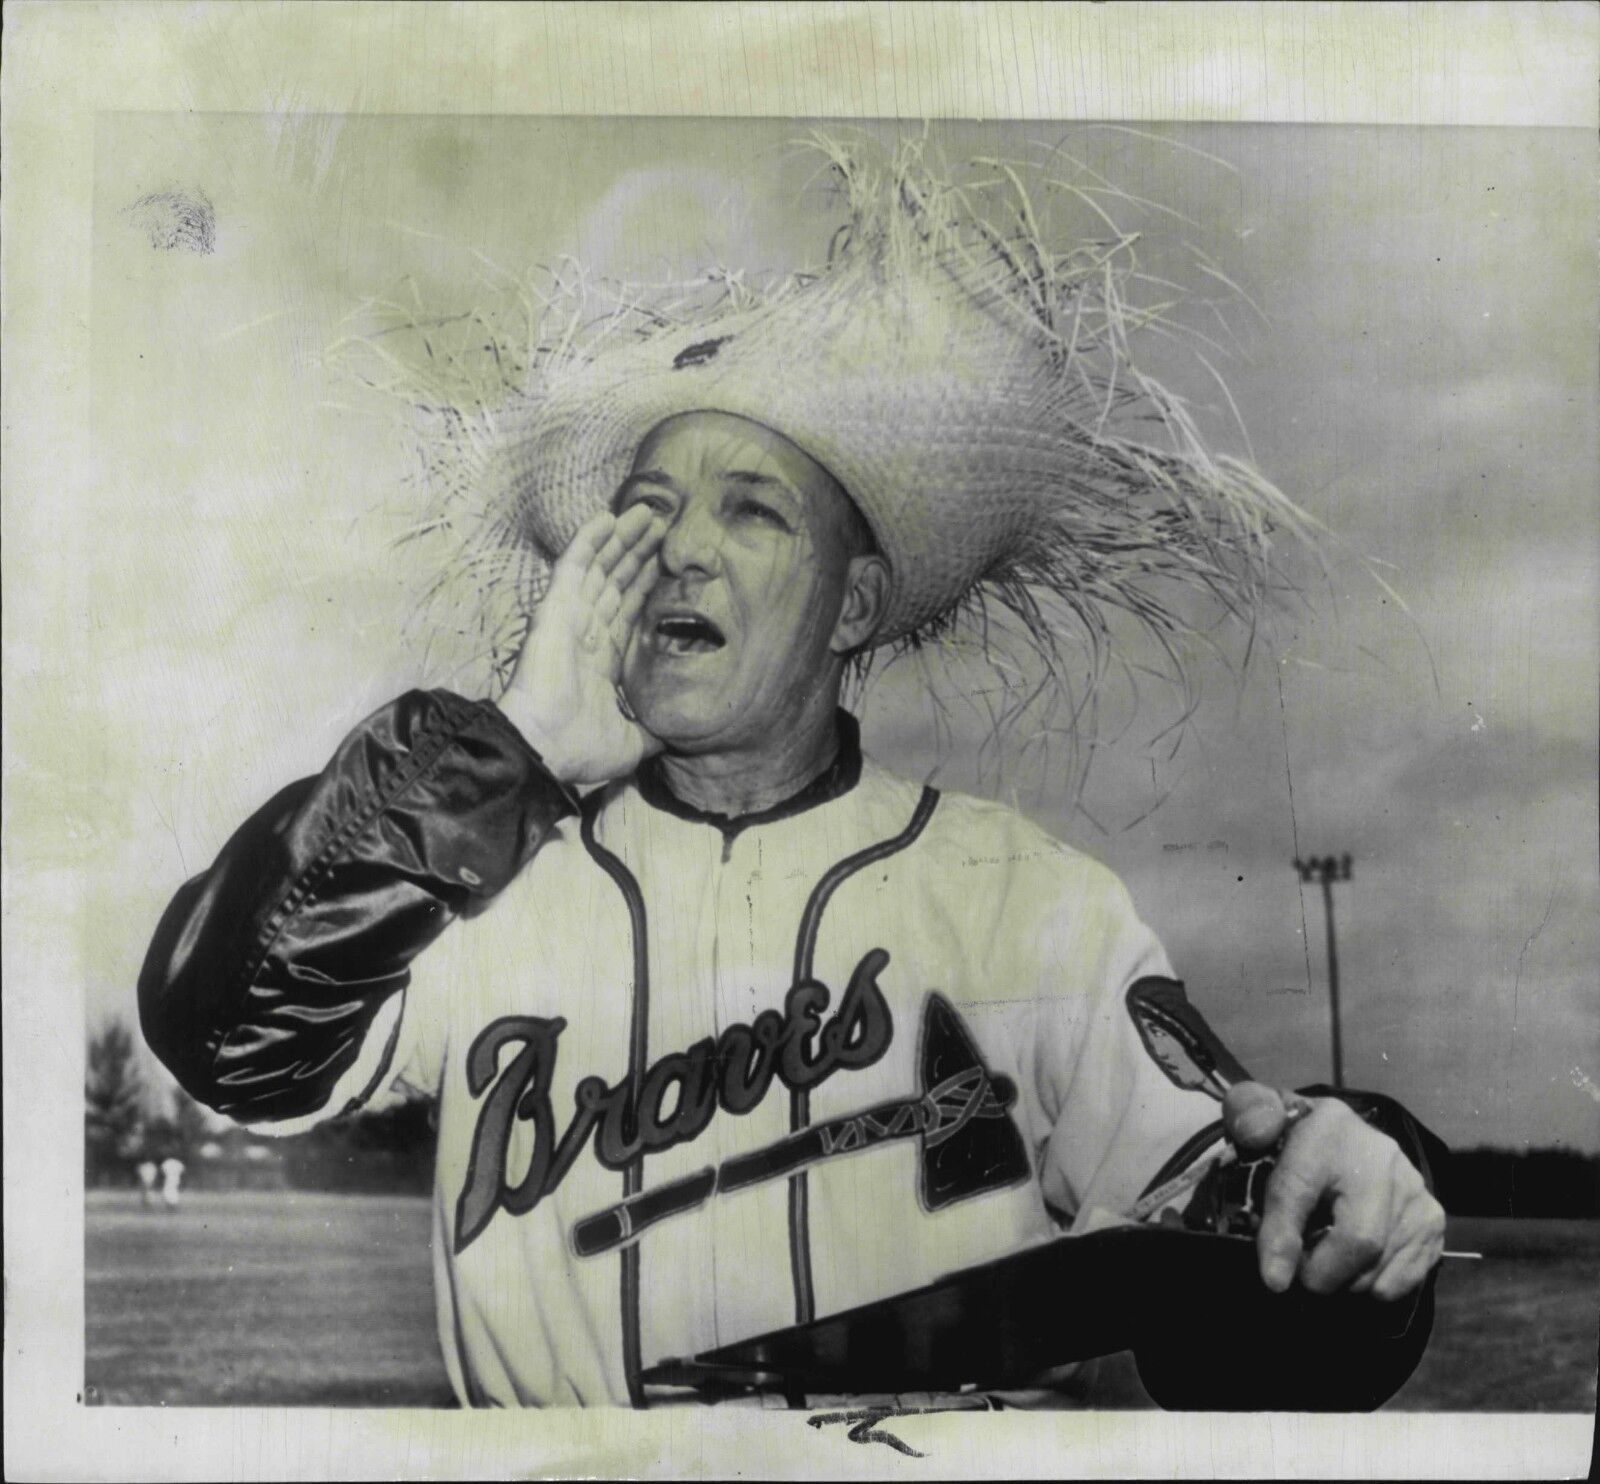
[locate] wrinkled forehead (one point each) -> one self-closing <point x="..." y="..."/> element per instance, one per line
<point x="711" y="445"/>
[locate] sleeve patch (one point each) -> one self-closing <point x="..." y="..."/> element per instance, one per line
<point x="1179" y="1040"/>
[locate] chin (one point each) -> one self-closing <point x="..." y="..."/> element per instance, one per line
<point x="684" y="719"/>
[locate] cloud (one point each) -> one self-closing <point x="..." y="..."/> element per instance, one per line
<point x="668" y="223"/>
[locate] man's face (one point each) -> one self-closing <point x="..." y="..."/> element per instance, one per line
<point x="741" y="627"/>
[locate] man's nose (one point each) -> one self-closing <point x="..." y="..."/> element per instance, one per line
<point x="693" y="543"/>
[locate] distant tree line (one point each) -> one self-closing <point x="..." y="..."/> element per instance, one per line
<point x="391" y="1149"/>
<point x="1521" y="1182"/>
<point x="126" y="1121"/>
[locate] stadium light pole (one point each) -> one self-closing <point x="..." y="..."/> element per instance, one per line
<point x="1327" y="870"/>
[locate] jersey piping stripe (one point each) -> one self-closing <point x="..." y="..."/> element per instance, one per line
<point x="805" y="1301"/>
<point x="463" y="1357"/>
<point x="633" y="1175"/>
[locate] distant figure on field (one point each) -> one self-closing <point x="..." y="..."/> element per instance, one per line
<point x="147" y="1181"/>
<point x="171" y="1175"/>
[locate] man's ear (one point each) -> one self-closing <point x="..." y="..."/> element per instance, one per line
<point x="866" y="600"/>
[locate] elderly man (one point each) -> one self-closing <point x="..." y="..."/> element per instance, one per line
<point x="752" y="1031"/>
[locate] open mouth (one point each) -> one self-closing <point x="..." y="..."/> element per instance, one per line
<point x="687" y="633"/>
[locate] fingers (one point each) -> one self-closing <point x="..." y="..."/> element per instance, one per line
<point x="1407" y="1272"/>
<point x="637" y="556"/>
<point x="574" y="564"/>
<point x="636" y="533"/>
<point x="1254" y="1116"/>
<point x="1355" y="1244"/>
<point x="633" y="536"/>
<point x="601" y="543"/>
<point x="1293" y="1190"/>
<point x="600" y="571"/>
<point x="631" y="598"/>
<point x="618" y="601"/>
<point x="1387" y="1231"/>
<point x="1417" y="1249"/>
<point x="1320" y="1164"/>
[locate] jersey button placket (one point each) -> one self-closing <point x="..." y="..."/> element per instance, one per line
<point x="720" y="1017"/>
<point x="734" y="990"/>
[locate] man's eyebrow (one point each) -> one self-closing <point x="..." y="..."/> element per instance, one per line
<point x="754" y="479"/>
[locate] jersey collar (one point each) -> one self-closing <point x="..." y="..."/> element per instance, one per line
<point x="837" y="779"/>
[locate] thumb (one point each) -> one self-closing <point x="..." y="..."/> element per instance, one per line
<point x="1254" y="1116"/>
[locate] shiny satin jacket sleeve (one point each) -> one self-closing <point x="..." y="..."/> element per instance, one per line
<point x="267" y="970"/>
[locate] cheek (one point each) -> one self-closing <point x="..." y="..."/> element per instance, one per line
<point x="788" y="615"/>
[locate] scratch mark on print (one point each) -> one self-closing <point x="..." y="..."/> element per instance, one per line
<point x="1516" y="993"/>
<point x="1516" y="987"/>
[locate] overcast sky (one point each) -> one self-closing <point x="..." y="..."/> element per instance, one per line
<point x="1424" y="382"/>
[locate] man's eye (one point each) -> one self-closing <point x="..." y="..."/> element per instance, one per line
<point x="755" y="510"/>
<point x="654" y="503"/>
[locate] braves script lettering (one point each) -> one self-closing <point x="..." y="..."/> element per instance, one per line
<point x="675" y="1098"/>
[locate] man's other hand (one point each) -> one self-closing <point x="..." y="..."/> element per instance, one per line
<point x="1387" y="1231"/>
<point x="564" y="697"/>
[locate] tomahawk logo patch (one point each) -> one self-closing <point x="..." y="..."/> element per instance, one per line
<point x="972" y="1146"/>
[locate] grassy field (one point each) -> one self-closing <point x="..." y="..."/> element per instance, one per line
<point x="289" y="1299"/>
<point x="314" y="1300"/>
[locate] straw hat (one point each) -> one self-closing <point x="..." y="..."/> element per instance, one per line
<point x="966" y="381"/>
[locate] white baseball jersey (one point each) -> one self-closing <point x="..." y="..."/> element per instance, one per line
<point x="816" y="960"/>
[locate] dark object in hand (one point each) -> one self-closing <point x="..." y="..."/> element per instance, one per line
<point x="1157" y="1290"/>
<point x="1295" y="1351"/>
